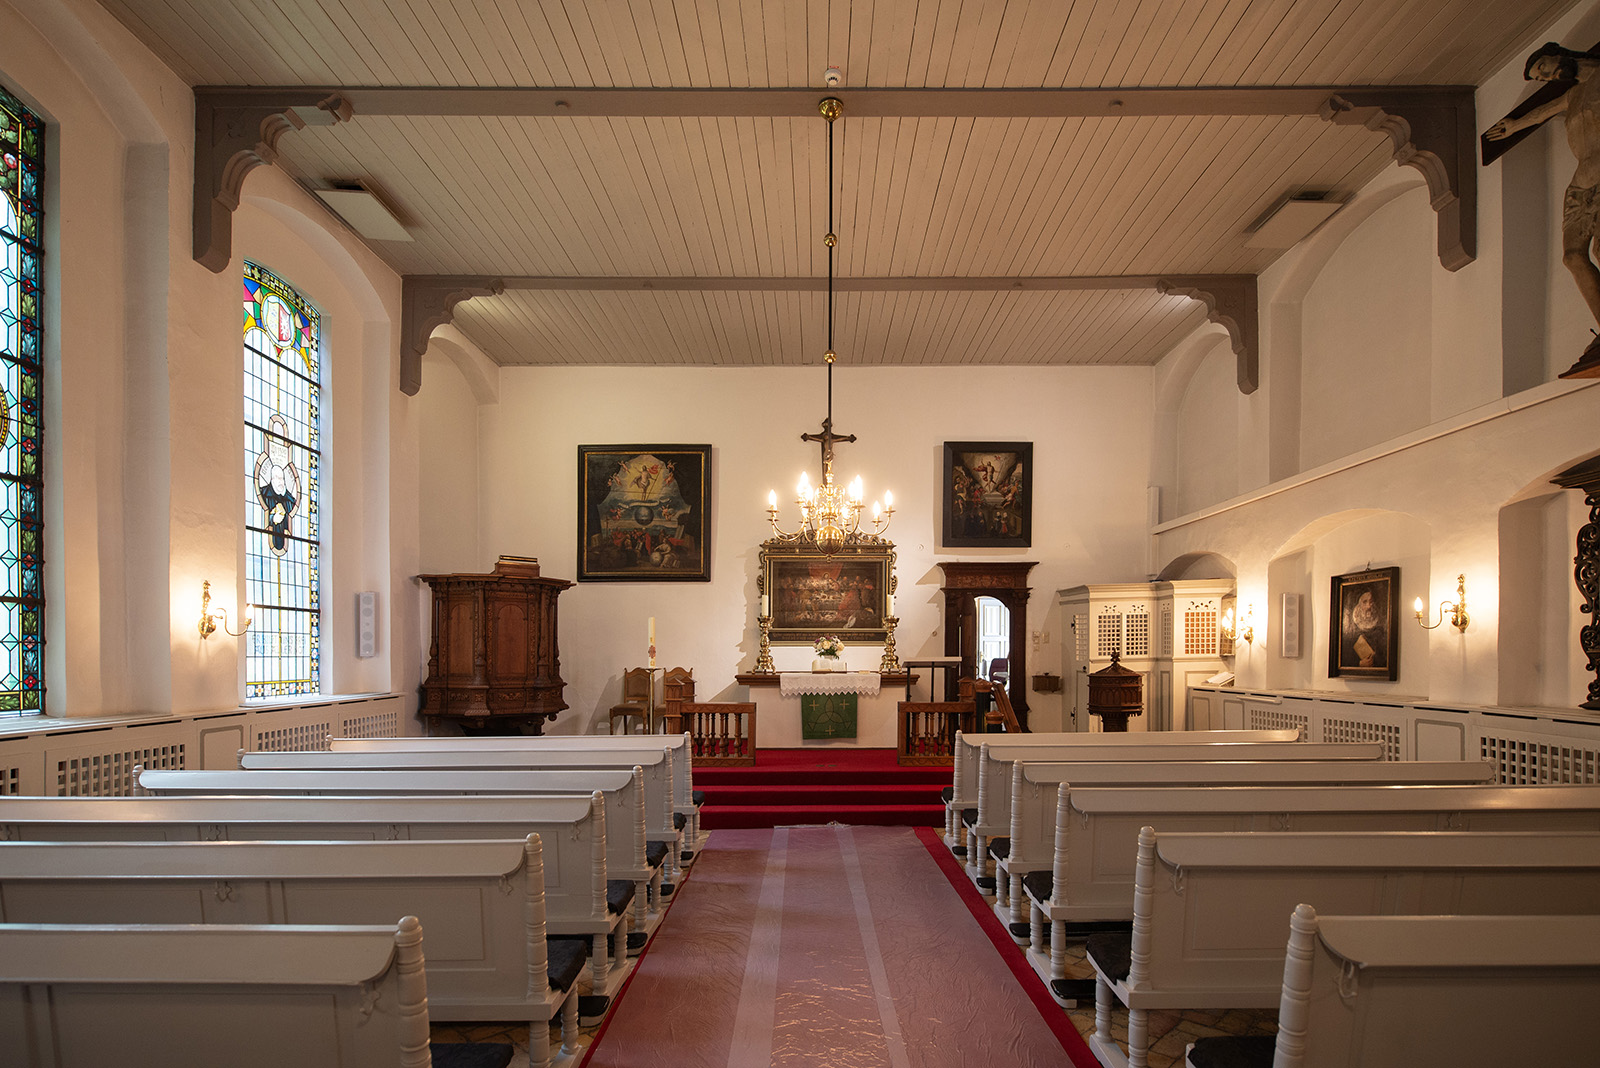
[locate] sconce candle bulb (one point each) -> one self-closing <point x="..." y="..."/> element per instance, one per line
<point x="1456" y="608"/>
<point x="209" y="615"/>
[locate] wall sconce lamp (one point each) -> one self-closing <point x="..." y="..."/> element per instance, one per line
<point x="1248" y="633"/>
<point x="1226" y="635"/>
<point x="1457" y="609"/>
<point x="209" y="616"/>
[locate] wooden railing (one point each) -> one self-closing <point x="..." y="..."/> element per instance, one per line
<point x="722" y="733"/>
<point x="928" y="730"/>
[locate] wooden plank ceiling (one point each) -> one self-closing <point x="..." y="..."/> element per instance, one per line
<point x="604" y="216"/>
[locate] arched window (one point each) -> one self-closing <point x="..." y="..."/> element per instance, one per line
<point x="21" y="411"/>
<point x="282" y="412"/>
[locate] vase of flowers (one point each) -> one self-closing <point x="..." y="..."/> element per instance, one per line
<point x="830" y="653"/>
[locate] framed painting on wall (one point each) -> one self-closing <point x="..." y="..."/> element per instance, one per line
<point x="1363" y="641"/>
<point x="988" y="493"/>
<point x="644" y="513"/>
<point x="811" y="594"/>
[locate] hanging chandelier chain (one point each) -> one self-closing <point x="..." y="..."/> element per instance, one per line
<point x="830" y="514"/>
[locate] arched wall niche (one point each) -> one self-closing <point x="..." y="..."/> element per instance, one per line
<point x="1338" y="544"/>
<point x="1541" y="661"/>
<point x="1197" y="565"/>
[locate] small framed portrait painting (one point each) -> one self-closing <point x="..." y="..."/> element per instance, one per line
<point x="1363" y="639"/>
<point x="644" y="513"/>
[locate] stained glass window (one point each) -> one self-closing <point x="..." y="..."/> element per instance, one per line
<point x="282" y="405"/>
<point x="21" y="425"/>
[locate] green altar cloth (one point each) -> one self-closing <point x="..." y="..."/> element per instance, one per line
<point x="827" y="715"/>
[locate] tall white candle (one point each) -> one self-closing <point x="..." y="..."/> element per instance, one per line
<point x="890" y="608"/>
<point x="652" y="630"/>
<point x="764" y="609"/>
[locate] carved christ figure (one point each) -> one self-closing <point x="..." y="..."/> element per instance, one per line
<point x="1580" y="210"/>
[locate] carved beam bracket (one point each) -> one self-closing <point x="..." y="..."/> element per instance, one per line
<point x="1230" y="301"/>
<point x="1434" y="131"/>
<point x="428" y="302"/>
<point x="236" y="131"/>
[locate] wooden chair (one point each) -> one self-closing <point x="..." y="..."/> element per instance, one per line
<point x="638" y="697"/>
<point x="677" y="687"/>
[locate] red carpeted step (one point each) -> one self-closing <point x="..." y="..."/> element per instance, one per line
<point x="745" y="816"/>
<point x="788" y="787"/>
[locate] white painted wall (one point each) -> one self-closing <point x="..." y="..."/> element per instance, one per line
<point x="1090" y="427"/>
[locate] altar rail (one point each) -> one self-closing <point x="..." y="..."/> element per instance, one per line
<point x="928" y="729"/>
<point x="1526" y="746"/>
<point x="722" y="734"/>
<point x="49" y="757"/>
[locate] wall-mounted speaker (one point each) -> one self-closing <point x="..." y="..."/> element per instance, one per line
<point x="367" y="624"/>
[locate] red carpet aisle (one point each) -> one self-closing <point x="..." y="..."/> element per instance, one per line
<point x="837" y="946"/>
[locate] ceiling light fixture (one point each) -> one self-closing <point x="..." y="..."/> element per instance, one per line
<point x="830" y="514"/>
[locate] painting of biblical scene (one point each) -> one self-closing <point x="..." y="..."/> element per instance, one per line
<point x="1365" y="642"/>
<point x="812" y="594"/>
<point x="988" y="493"/>
<point x="643" y="513"/>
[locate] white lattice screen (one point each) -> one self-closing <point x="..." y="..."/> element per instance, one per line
<point x="110" y="774"/>
<point x="1108" y="634"/>
<point x="1080" y="639"/>
<point x="1136" y="634"/>
<point x="1355" y="730"/>
<point x="1522" y="762"/>
<point x="1276" y="719"/>
<point x="1164" y="638"/>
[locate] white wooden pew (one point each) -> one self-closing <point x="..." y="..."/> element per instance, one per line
<point x="1097" y="833"/>
<point x="572" y="828"/>
<point x="992" y="816"/>
<point x="963" y="791"/>
<point x="1401" y="991"/>
<point x="1209" y="910"/>
<point x="1035" y="797"/>
<point x="656" y="762"/>
<point x="686" y="800"/>
<point x="88" y="996"/>
<point x="623" y="790"/>
<point x="483" y="904"/>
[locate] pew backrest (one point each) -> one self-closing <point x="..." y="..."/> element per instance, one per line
<point x="1097" y="828"/>
<point x="571" y="829"/>
<point x="1210" y="911"/>
<point x="247" y="996"/>
<point x="657" y="763"/>
<point x="1376" y="990"/>
<point x="995" y="763"/>
<point x="682" y="765"/>
<point x="1035" y="786"/>
<point x="623" y="790"/>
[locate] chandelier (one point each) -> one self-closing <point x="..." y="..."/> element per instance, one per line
<point x="830" y="514"/>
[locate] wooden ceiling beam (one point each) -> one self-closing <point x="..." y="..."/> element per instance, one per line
<point x="429" y="301"/>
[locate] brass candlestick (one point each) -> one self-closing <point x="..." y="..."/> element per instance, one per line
<point x="764" y="658"/>
<point x="890" y="663"/>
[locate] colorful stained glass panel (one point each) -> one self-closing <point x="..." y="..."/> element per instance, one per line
<point x="282" y="384"/>
<point x="21" y="396"/>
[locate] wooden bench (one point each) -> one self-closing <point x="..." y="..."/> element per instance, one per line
<point x="1211" y="911"/>
<point x="992" y="815"/>
<point x="1398" y="991"/>
<point x="87" y="996"/>
<point x="656" y="762"/>
<point x="1035" y="800"/>
<point x="686" y="800"/>
<point x="1097" y="830"/>
<point x="624" y="810"/>
<point x="963" y="791"/>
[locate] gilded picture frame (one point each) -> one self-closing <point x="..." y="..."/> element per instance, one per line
<point x="1363" y="631"/>
<point x="811" y="594"/>
<point x="644" y="513"/>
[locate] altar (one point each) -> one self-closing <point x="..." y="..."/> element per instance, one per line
<point x="781" y="696"/>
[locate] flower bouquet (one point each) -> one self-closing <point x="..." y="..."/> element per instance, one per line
<point x="829" y="649"/>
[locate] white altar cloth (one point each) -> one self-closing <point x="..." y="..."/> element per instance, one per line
<point x="796" y="683"/>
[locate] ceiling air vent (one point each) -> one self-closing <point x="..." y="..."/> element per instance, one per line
<point x="1289" y="220"/>
<point x="364" y="211"/>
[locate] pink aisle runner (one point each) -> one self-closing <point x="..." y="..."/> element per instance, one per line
<point x="837" y="946"/>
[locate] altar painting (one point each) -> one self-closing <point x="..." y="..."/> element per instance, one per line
<point x="812" y="594"/>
